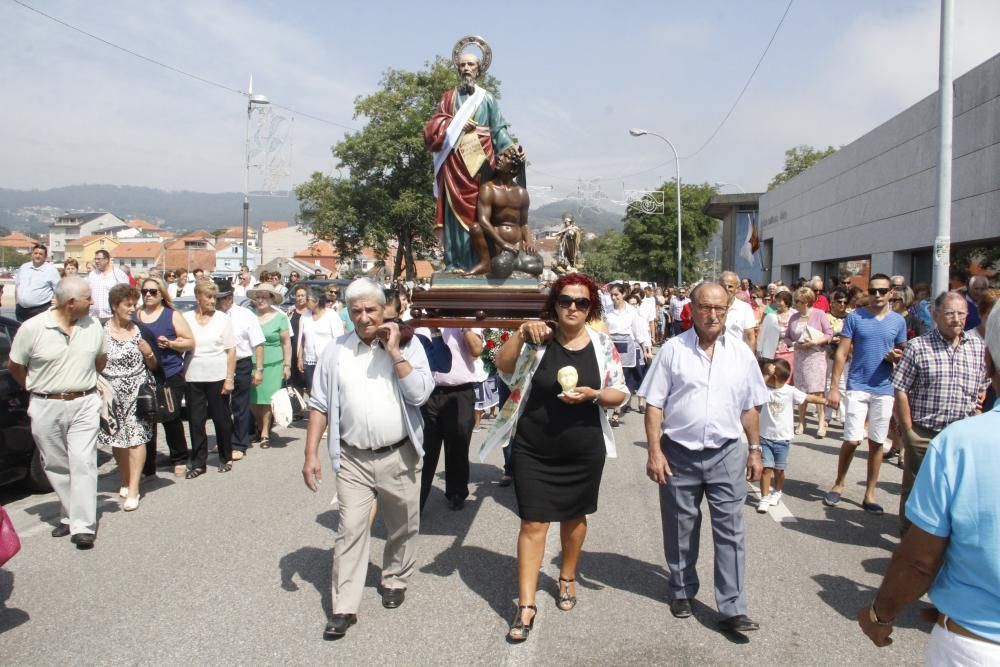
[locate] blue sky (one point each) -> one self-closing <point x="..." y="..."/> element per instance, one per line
<point x="575" y="77"/>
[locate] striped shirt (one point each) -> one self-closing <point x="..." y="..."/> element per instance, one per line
<point x="942" y="383"/>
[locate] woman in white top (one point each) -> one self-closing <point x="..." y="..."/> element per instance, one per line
<point x="318" y="327"/>
<point x="209" y="372"/>
<point x="631" y="336"/>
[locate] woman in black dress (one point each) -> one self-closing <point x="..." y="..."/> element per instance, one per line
<point x="563" y="377"/>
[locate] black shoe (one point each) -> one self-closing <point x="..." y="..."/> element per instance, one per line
<point x="739" y="623"/>
<point x="393" y="597"/>
<point x="61" y="530"/>
<point x="455" y="503"/>
<point x="83" y="540"/>
<point x="681" y="608"/>
<point x="338" y="625"/>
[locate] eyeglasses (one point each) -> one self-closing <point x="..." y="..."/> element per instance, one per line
<point x="880" y="291"/>
<point x="840" y="300"/>
<point x="565" y="301"/>
<point x="150" y="291"/>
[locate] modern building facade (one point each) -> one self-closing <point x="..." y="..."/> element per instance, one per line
<point x="871" y="206"/>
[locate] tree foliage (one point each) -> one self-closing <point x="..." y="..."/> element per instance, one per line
<point x="797" y="160"/>
<point x="387" y="197"/>
<point x="646" y="248"/>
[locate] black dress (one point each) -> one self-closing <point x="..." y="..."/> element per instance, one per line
<point x="558" y="449"/>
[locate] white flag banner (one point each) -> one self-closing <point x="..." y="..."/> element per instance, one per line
<point x="269" y="153"/>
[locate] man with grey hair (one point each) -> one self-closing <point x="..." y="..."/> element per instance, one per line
<point x="950" y="551"/>
<point x="57" y="357"/>
<point x="940" y="379"/>
<point x="821" y="302"/>
<point x="367" y="392"/>
<point x="702" y="390"/>
<point x="977" y="285"/>
<point x="740" y="320"/>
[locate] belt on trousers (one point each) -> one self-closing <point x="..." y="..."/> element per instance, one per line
<point x="381" y="450"/>
<point x="950" y="625"/>
<point x="444" y="388"/>
<point x="65" y="395"/>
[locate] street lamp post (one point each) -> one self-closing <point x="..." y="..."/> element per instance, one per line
<point x="251" y="100"/>
<point x="636" y="132"/>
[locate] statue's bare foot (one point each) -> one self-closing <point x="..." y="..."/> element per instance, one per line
<point x="478" y="270"/>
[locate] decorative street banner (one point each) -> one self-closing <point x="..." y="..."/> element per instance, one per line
<point x="269" y="153"/>
<point x="748" y="263"/>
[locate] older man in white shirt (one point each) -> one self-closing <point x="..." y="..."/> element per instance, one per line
<point x="249" y="365"/>
<point x="367" y="391"/>
<point x="702" y="390"/>
<point x="740" y="320"/>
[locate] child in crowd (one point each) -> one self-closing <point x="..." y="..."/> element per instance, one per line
<point x="776" y="427"/>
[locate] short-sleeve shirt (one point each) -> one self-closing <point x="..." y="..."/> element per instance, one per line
<point x="209" y="360"/>
<point x="246" y="331"/>
<point x="740" y="318"/>
<point x="703" y="399"/>
<point x="957" y="496"/>
<point x="776" y="417"/>
<point x="872" y="339"/>
<point x="35" y="284"/>
<point x="56" y="362"/>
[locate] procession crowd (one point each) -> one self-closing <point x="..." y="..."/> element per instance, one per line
<point x="106" y="358"/>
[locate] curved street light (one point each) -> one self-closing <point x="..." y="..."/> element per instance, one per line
<point x="636" y="132"/>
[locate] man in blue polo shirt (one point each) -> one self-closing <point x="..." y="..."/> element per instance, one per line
<point x="872" y="338"/>
<point x="951" y="549"/>
<point x="34" y="284"/>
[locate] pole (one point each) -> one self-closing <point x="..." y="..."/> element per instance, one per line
<point x="942" y="242"/>
<point x="246" y="175"/>
<point x="677" y="162"/>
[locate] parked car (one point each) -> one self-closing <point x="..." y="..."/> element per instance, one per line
<point x="341" y="284"/>
<point x="19" y="457"/>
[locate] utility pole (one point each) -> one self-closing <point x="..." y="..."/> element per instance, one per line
<point x="942" y="242"/>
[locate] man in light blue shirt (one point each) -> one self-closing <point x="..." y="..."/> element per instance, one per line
<point x="34" y="284"/>
<point x="951" y="549"/>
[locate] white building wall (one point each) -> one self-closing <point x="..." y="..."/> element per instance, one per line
<point x="876" y="197"/>
<point x="283" y="243"/>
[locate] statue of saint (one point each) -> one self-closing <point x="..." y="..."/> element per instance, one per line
<point x="569" y="242"/>
<point x="502" y="221"/>
<point x="465" y="133"/>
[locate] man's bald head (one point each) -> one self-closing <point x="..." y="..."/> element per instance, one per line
<point x="71" y="287"/>
<point x="978" y="285"/>
<point x="731" y="282"/>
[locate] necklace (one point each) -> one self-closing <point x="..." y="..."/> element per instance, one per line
<point x="578" y="342"/>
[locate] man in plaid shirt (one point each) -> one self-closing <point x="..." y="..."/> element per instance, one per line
<point x="940" y="379"/>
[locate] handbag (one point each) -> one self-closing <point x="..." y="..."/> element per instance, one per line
<point x="10" y="543"/>
<point x="281" y="407"/>
<point x="155" y="401"/>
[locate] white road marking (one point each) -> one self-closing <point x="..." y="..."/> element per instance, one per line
<point x="779" y="512"/>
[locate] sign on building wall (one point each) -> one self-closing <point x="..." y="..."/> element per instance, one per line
<point x="746" y="251"/>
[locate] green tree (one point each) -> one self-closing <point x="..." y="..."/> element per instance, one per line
<point x="797" y="160"/>
<point x="387" y="198"/>
<point x="603" y="256"/>
<point x="650" y="251"/>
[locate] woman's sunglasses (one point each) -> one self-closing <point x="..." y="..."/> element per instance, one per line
<point x="565" y="301"/>
<point x="150" y="291"/>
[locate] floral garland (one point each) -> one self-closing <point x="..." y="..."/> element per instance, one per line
<point x="493" y="341"/>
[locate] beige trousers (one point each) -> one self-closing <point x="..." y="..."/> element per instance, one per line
<point x="394" y="478"/>
<point x="66" y="435"/>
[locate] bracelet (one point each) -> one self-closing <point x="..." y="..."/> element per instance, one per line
<point x="597" y="398"/>
<point x="873" y="617"/>
<point x="401" y="360"/>
<point x="756" y="448"/>
<point x="258" y="370"/>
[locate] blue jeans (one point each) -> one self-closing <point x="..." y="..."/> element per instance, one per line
<point x="774" y="453"/>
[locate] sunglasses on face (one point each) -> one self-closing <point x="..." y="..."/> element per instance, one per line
<point x="565" y="301"/>
<point x="150" y="291"/>
<point x="879" y="291"/>
<point x="840" y="300"/>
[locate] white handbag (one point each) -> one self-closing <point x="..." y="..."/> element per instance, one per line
<point x="281" y="408"/>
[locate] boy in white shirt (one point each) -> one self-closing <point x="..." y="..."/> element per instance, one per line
<point x="776" y="427"/>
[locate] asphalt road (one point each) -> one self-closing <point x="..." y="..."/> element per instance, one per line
<point x="235" y="569"/>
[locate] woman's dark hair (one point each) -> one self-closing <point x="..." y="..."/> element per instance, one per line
<point x="318" y="294"/>
<point x="594" y="294"/>
<point x="120" y="292"/>
<point x="392" y="299"/>
<point x="784" y="296"/>
<point x="839" y="293"/>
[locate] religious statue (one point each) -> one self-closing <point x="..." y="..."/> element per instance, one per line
<point x="502" y="220"/>
<point x="466" y="133"/>
<point x="569" y="243"/>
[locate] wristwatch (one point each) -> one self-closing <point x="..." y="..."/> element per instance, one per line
<point x="756" y="448"/>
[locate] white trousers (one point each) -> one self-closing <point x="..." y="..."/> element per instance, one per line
<point x="946" y="649"/>
<point x="66" y="435"/>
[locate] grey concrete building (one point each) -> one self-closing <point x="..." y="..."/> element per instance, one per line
<point x="871" y="206"/>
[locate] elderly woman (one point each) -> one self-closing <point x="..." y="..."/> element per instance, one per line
<point x="277" y="356"/>
<point x="631" y="336"/>
<point x="130" y="359"/>
<point x="169" y="333"/>
<point x="298" y="310"/>
<point x="319" y="326"/>
<point x="771" y="341"/>
<point x="808" y="334"/>
<point x="561" y="381"/>
<point x="71" y="267"/>
<point x="210" y="372"/>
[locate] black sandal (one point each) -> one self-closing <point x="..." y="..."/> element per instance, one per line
<point x="566" y="601"/>
<point x="518" y="630"/>
<point x="225" y="467"/>
<point x="265" y="443"/>
<point x="195" y="472"/>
